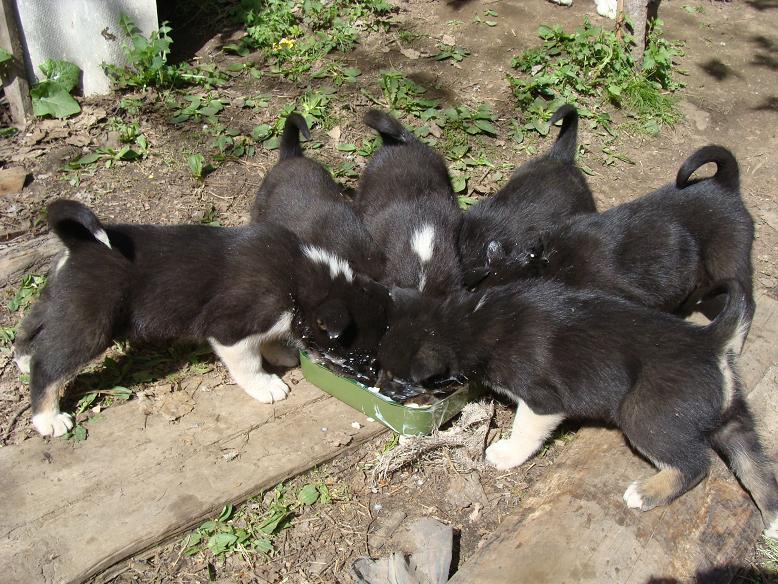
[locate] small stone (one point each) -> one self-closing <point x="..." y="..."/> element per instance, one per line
<point x="12" y="180"/>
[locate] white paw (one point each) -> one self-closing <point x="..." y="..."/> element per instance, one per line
<point x="268" y="389"/>
<point x="772" y="531"/>
<point x="632" y="497"/>
<point x="52" y="423"/>
<point x="23" y="363"/>
<point x="505" y="454"/>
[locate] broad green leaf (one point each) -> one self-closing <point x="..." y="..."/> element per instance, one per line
<point x="263" y="545"/>
<point x="308" y="495"/>
<point x="221" y="542"/>
<point x="486" y="127"/>
<point x="346" y="147"/>
<point x="261" y="132"/>
<point x="5" y="56"/>
<point x="62" y="73"/>
<point x="52" y="99"/>
<point x="459" y="183"/>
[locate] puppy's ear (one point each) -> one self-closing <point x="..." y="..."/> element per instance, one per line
<point x="474" y="276"/>
<point x="494" y="252"/>
<point x="402" y="295"/>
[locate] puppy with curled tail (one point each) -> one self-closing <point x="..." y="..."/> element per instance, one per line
<point x="346" y="318"/>
<point x="407" y="202"/>
<point x="499" y="234"/>
<point x="666" y="250"/>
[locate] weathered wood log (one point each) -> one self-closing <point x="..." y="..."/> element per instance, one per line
<point x="17" y="259"/>
<point x="69" y="511"/>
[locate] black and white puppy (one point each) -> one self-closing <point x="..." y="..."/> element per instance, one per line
<point x="669" y="385"/>
<point x="500" y="233"/>
<point x="301" y="195"/>
<point x="667" y="249"/>
<point x="407" y="202"/>
<point x="240" y="289"/>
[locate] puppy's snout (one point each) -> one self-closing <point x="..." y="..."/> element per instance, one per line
<point x="333" y="334"/>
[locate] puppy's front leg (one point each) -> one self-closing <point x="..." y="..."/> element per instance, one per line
<point x="529" y="432"/>
<point x="244" y="362"/>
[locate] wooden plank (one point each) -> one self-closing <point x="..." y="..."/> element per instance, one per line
<point x="15" y="84"/>
<point x="18" y="258"/>
<point x="69" y="510"/>
<point x="573" y="527"/>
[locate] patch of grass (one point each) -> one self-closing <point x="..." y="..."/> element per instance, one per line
<point x="252" y="528"/>
<point x="294" y="34"/>
<point x="147" y="62"/>
<point x="403" y="94"/>
<point x="456" y="54"/>
<point x="592" y="68"/>
<point x="197" y="108"/>
<point x="29" y="290"/>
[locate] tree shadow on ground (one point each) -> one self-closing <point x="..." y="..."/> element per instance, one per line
<point x="769" y="103"/>
<point x="766" y="54"/>
<point x="763" y="5"/>
<point x="725" y="575"/>
<point x="717" y="69"/>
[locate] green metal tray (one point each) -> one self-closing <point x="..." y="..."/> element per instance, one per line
<point x="402" y="419"/>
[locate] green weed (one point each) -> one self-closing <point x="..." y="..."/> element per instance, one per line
<point x="403" y="94"/>
<point x="591" y="68"/>
<point x="30" y="289"/>
<point x="51" y="97"/>
<point x="295" y="34"/>
<point x="147" y="62"/>
<point x="456" y="54"/>
<point x="252" y="528"/>
<point x="197" y="107"/>
<point x="198" y="168"/>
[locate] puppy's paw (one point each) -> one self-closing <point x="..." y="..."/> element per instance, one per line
<point x="772" y="531"/>
<point x="23" y="363"/>
<point x="52" y="423"/>
<point x="632" y="496"/>
<point x="505" y="454"/>
<point x="268" y="389"/>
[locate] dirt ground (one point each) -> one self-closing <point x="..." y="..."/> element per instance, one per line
<point x="731" y="97"/>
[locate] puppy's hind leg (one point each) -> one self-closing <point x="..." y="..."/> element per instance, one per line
<point x="280" y="353"/>
<point x="244" y="362"/>
<point x="529" y="432"/>
<point x="738" y="442"/>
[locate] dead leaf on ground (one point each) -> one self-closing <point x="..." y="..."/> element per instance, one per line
<point x="410" y="53"/>
<point x="176" y="405"/>
<point x="338" y="438"/>
<point x="334" y="133"/>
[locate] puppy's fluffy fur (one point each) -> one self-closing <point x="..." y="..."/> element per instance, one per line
<point x="499" y="234"/>
<point x="240" y="289"/>
<point x="300" y="194"/>
<point x="669" y="385"/>
<point x="668" y="249"/>
<point x="408" y="205"/>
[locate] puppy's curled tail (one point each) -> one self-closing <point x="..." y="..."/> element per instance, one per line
<point x="730" y="326"/>
<point x="727" y="173"/>
<point x="567" y="140"/>
<point x="390" y="128"/>
<point x="74" y="224"/>
<point x="290" y="139"/>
